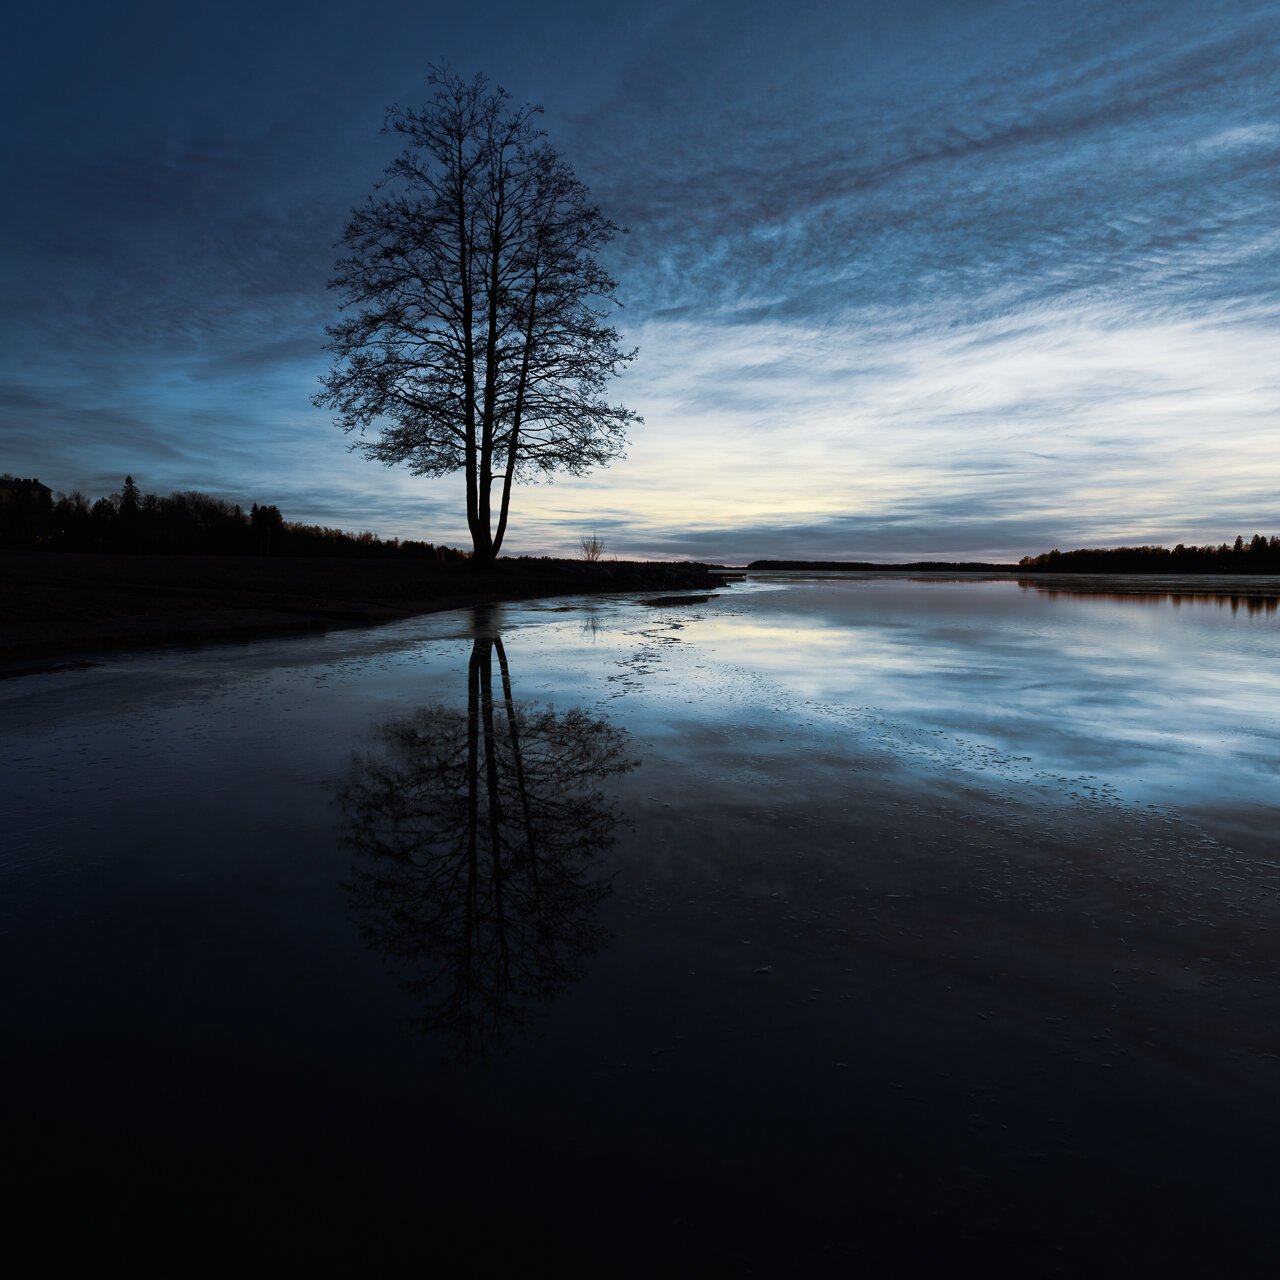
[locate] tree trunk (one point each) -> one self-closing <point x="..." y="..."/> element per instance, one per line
<point x="483" y="549"/>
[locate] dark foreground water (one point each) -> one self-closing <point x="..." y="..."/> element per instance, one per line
<point x="819" y="925"/>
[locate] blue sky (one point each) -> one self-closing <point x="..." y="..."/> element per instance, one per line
<point x="929" y="279"/>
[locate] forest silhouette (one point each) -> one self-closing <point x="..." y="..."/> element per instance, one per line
<point x="185" y="523"/>
<point x="1259" y="555"/>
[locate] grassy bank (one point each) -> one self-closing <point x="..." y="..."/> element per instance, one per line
<point x="56" y="608"/>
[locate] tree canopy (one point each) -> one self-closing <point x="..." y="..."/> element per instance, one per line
<point x="475" y="333"/>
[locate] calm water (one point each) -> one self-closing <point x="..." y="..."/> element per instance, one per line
<point x="814" y="921"/>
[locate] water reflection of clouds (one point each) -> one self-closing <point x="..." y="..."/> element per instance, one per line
<point x="1059" y="681"/>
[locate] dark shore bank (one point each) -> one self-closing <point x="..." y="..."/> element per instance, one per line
<point x="57" y="608"/>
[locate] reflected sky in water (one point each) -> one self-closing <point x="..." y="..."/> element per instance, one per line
<point x="971" y="878"/>
<point x="1155" y="701"/>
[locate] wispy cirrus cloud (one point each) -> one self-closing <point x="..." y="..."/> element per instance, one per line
<point x="986" y="439"/>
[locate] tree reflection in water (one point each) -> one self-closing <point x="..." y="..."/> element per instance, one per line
<point x="475" y="835"/>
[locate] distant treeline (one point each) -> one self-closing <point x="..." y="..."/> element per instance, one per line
<point x="187" y="523"/>
<point x="1258" y="555"/>
<point x="863" y="566"/>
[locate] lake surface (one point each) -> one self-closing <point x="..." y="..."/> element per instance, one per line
<point x="819" y="922"/>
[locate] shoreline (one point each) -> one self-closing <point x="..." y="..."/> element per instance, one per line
<point x="62" y="610"/>
<point x="1225" y="585"/>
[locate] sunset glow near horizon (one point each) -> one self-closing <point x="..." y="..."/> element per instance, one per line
<point x="956" y="281"/>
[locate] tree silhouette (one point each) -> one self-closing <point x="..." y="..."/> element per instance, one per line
<point x="188" y="523"/>
<point x="129" y="514"/>
<point x="266" y="526"/>
<point x="475" y="338"/>
<point x="1259" y="555"/>
<point x="475" y="835"/>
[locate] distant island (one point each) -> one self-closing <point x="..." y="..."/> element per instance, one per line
<point x="1260" y="555"/>
<point x="865" y="566"/>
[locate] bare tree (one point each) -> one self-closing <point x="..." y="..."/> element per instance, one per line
<point x="476" y="332"/>
<point x="592" y="548"/>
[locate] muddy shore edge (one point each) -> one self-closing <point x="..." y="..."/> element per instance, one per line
<point x="58" y="610"/>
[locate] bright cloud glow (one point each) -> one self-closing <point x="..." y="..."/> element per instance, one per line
<point x="832" y="429"/>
